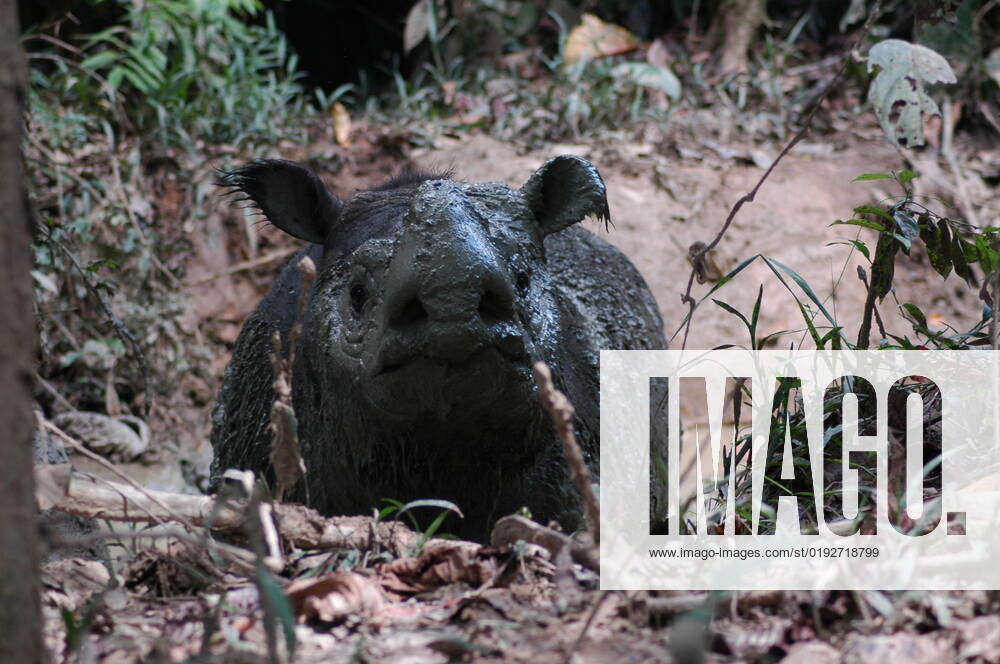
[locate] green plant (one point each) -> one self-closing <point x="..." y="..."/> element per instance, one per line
<point x="901" y="224"/>
<point x="950" y="245"/>
<point x="185" y="71"/>
<point x="396" y="509"/>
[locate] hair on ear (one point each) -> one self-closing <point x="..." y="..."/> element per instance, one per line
<point x="564" y="191"/>
<point x="290" y="195"/>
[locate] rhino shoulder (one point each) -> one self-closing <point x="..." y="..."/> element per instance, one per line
<point x="612" y="298"/>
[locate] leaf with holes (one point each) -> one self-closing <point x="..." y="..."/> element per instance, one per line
<point x="650" y="76"/>
<point x="897" y="94"/>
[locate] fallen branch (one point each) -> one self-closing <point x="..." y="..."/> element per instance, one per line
<point x="104" y="463"/>
<point x="301" y="526"/>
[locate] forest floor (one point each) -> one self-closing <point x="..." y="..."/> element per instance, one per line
<point x="472" y="604"/>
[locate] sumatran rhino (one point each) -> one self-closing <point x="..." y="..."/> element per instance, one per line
<point x="433" y="298"/>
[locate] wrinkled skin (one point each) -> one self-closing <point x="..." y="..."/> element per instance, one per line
<point x="433" y="298"/>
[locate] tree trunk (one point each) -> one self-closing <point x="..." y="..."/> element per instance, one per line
<point x="20" y="613"/>
<point x="734" y="29"/>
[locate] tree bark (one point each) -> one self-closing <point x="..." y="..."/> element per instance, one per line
<point x="20" y="612"/>
<point x="734" y="29"/>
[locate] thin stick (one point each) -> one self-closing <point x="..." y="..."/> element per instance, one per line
<point x="245" y="265"/>
<point x="561" y="411"/>
<point x="586" y="626"/>
<point x="749" y="197"/>
<point x="79" y="447"/>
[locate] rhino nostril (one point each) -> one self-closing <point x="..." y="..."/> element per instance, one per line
<point x="358" y="298"/>
<point x="523" y="284"/>
<point x="412" y="312"/>
<point x="495" y="307"/>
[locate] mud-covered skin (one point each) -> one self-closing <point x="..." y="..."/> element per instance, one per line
<point x="433" y="299"/>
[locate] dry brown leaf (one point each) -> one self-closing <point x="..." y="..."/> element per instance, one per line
<point x="70" y="582"/>
<point x="658" y="55"/>
<point x="341" y="124"/>
<point x="980" y="638"/>
<point x="333" y="597"/>
<point x="900" y="647"/>
<point x="448" y="87"/>
<point x="51" y="483"/>
<point x="594" y="38"/>
<point x="439" y="565"/>
<point x="811" y="652"/>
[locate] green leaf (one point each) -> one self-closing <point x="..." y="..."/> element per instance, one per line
<point x="871" y="176"/>
<point x="884" y="266"/>
<point x="755" y="316"/>
<point x="986" y="256"/>
<point x="906" y="224"/>
<point x="871" y="209"/>
<point x="442" y="504"/>
<point x="937" y="239"/>
<point x="431" y="529"/>
<point x="272" y="593"/>
<point x="905" y="177"/>
<point x="99" y="60"/>
<point x="809" y="325"/>
<point x="864" y="223"/>
<point x="802" y="283"/>
<point x="115" y="78"/>
<point x="719" y="284"/>
<point x="833" y="336"/>
<point x="916" y="315"/>
<point x="857" y="244"/>
<point x="960" y="261"/>
<point x="735" y="312"/>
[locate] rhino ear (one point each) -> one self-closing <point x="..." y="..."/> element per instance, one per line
<point x="291" y="196"/>
<point x="564" y="191"/>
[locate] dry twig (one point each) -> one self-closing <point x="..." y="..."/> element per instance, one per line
<point x="286" y="454"/>
<point x="245" y="265"/>
<point x="302" y="527"/>
<point x="561" y="412"/>
<point x="104" y="463"/>
<point x="749" y="196"/>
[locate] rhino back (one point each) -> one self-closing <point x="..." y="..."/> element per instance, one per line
<point x="616" y="309"/>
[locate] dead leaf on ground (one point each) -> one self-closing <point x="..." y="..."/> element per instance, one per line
<point x="811" y="652"/>
<point x="70" y="582"/>
<point x="179" y="570"/>
<point x="900" y="647"/>
<point x="331" y="598"/>
<point x="51" y="484"/>
<point x="980" y="638"/>
<point x="658" y="54"/>
<point x="594" y="38"/>
<point x="442" y="564"/>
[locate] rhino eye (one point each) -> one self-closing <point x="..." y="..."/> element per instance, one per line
<point x="522" y="283"/>
<point x="358" y="297"/>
